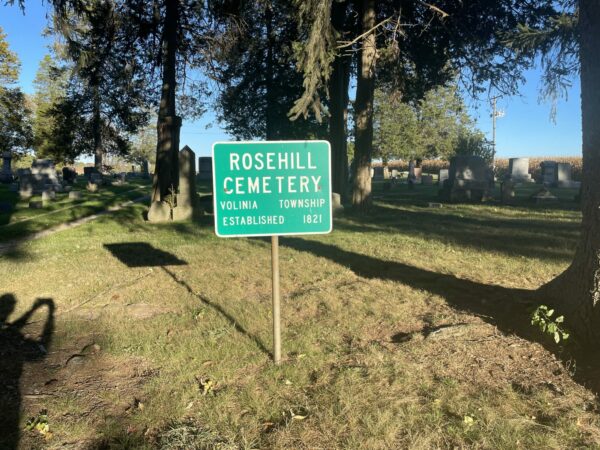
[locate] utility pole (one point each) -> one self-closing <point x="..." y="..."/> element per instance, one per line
<point x="495" y="113"/>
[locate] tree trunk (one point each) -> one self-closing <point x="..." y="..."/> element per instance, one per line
<point x="576" y="293"/>
<point x="270" y="100"/>
<point x="97" y="131"/>
<point x="365" y="88"/>
<point x="166" y="172"/>
<point x="338" y="92"/>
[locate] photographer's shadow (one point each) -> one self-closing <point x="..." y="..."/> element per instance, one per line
<point x="15" y="350"/>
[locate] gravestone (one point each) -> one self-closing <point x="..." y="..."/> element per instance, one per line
<point x="395" y="174"/>
<point x="186" y="197"/>
<point x="25" y="190"/>
<point x="427" y="180"/>
<point x="518" y="170"/>
<point x="144" y="169"/>
<point x="336" y="203"/>
<point x="96" y="178"/>
<point x="378" y="173"/>
<point x="121" y="179"/>
<point x="549" y="173"/>
<point x="6" y="175"/>
<point x="564" y="172"/>
<point x="443" y="176"/>
<point x="205" y="168"/>
<point x="48" y="195"/>
<point x="467" y="179"/>
<point x="43" y="176"/>
<point x="88" y="171"/>
<point x="69" y="175"/>
<point x="75" y="195"/>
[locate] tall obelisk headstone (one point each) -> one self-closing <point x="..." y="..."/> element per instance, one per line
<point x="186" y="198"/>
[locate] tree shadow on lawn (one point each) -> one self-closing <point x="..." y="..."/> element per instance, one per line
<point x="508" y="309"/>
<point x="142" y="254"/>
<point x="208" y="302"/>
<point x="544" y="239"/>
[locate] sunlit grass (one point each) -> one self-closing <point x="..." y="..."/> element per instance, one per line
<point x="359" y="370"/>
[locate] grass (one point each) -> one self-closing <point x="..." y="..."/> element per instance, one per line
<point x="398" y="332"/>
<point x="22" y="220"/>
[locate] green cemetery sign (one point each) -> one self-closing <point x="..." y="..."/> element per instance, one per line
<point x="272" y="188"/>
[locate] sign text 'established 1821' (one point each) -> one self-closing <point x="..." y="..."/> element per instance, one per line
<point x="272" y="188"/>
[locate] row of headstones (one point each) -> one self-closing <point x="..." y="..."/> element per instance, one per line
<point x="415" y="175"/>
<point x="469" y="177"/>
<point x="41" y="178"/>
<point x="554" y="174"/>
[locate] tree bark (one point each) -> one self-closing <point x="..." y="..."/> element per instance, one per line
<point x="338" y="93"/>
<point x="365" y="88"/>
<point x="576" y="292"/>
<point x="270" y="100"/>
<point x="97" y="131"/>
<point x="166" y="172"/>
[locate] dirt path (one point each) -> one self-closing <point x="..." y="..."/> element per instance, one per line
<point x="7" y="246"/>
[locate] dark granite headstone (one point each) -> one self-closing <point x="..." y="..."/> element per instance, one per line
<point x="69" y="175"/>
<point x="549" y="173"/>
<point x="6" y="174"/>
<point x="205" y="168"/>
<point x="378" y="173"/>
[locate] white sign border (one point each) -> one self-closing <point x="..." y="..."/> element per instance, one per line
<point x="271" y="142"/>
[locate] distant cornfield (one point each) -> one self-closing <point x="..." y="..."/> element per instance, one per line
<point x="434" y="165"/>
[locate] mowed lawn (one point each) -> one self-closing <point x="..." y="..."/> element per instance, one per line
<point x="399" y="331"/>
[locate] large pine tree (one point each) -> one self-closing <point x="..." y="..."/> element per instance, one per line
<point x="576" y="292"/>
<point x="254" y="68"/>
<point x="411" y="46"/>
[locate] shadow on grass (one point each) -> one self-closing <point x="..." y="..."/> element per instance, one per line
<point x="142" y="254"/>
<point x="534" y="238"/>
<point x="508" y="309"/>
<point x="496" y="304"/>
<point x="17" y="348"/>
<point x="53" y="216"/>
<point x="238" y="327"/>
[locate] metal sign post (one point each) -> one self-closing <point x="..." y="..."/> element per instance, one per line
<point x="276" y="303"/>
<point x="272" y="188"/>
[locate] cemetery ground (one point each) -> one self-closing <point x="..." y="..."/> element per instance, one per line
<point x="406" y="329"/>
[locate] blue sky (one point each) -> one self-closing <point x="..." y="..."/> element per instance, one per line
<point x="525" y="130"/>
